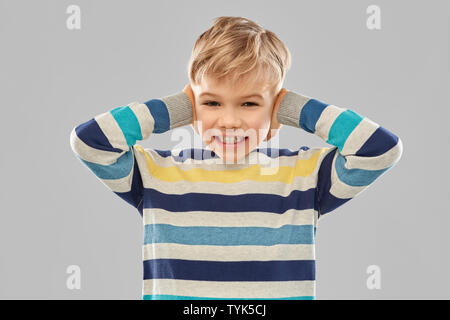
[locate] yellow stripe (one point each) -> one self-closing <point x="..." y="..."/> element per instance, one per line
<point x="303" y="168"/>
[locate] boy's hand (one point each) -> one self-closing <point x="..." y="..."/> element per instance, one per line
<point x="274" y="124"/>
<point x="188" y="90"/>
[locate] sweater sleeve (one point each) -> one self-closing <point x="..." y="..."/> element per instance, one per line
<point x="105" y="143"/>
<point x="362" y="152"/>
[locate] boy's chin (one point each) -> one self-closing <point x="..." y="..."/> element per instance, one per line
<point x="229" y="156"/>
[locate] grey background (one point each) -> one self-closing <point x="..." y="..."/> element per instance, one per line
<point x="56" y="213"/>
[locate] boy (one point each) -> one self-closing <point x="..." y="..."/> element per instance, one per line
<point x="222" y="229"/>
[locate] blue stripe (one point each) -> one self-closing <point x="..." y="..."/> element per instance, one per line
<point x="160" y="114"/>
<point x="310" y="113"/>
<point x="228" y="236"/>
<point x="379" y="143"/>
<point x="174" y="297"/>
<point x="118" y="170"/>
<point x="262" y="202"/>
<point x="342" y="127"/>
<point x="128" y="123"/>
<point x="356" y="177"/>
<point x="199" y="270"/>
<point x="91" y="134"/>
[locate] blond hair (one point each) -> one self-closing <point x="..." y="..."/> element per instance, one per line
<point x="235" y="46"/>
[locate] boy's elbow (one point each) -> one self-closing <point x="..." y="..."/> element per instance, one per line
<point x="397" y="152"/>
<point x="74" y="141"/>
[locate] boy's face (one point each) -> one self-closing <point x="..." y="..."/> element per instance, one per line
<point x="222" y="109"/>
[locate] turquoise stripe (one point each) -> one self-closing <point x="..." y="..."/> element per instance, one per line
<point x="356" y="177"/>
<point x="118" y="170"/>
<point x="128" y="123"/>
<point x="342" y="127"/>
<point x="228" y="236"/>
<point x="174" y="297"/>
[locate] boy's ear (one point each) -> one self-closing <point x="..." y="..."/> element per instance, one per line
<point x="188" y="90"/>
<point x="274" y="124"/>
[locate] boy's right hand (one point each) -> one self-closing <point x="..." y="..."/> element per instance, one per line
<point x="188" y="90"/>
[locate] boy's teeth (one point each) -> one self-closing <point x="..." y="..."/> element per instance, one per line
<point x="231" y="139"/>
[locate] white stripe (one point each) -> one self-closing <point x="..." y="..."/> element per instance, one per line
<point x="242" y="187"/>
<point x="341" y="190"/>
<point x="229" y="289"/>
<point x="380" y="162"/>
<point x="360" y="134"/>
<point x="228" y="253"/>
<point x="229" y="219"/>
<point x="326" y="120"/>
<point x="90" y="154"/>
<point x="112" y="130"/>
<point x="144" y="117"/>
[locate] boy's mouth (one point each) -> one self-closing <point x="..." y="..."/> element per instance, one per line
<point x="230" y="141"/>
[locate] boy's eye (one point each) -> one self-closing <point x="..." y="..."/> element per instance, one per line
<point x="250" y="103"/>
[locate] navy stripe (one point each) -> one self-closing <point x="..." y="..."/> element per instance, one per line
<point x="325" y="201"/>
<point x="91" y="134"/>
<point x="275" y="153"/>
<point x="228" y="236"/>
<point x="262" y="202"/>
<point x="164" y="153"/>
<point x="286" y="270"/>
<point x="380" y="141"/>
<point x="192" y="153"/>
<point x="202" y="154"/>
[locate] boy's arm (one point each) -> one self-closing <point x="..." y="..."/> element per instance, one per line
<point x="362" y="152"/>
<point x="105" y="143"/>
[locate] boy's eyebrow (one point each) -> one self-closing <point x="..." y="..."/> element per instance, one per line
<point x="247" y="96"/>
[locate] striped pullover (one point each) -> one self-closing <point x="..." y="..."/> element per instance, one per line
<point x="215" y="230"/>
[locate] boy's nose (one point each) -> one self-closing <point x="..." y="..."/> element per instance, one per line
<point x="229" y="119"/>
